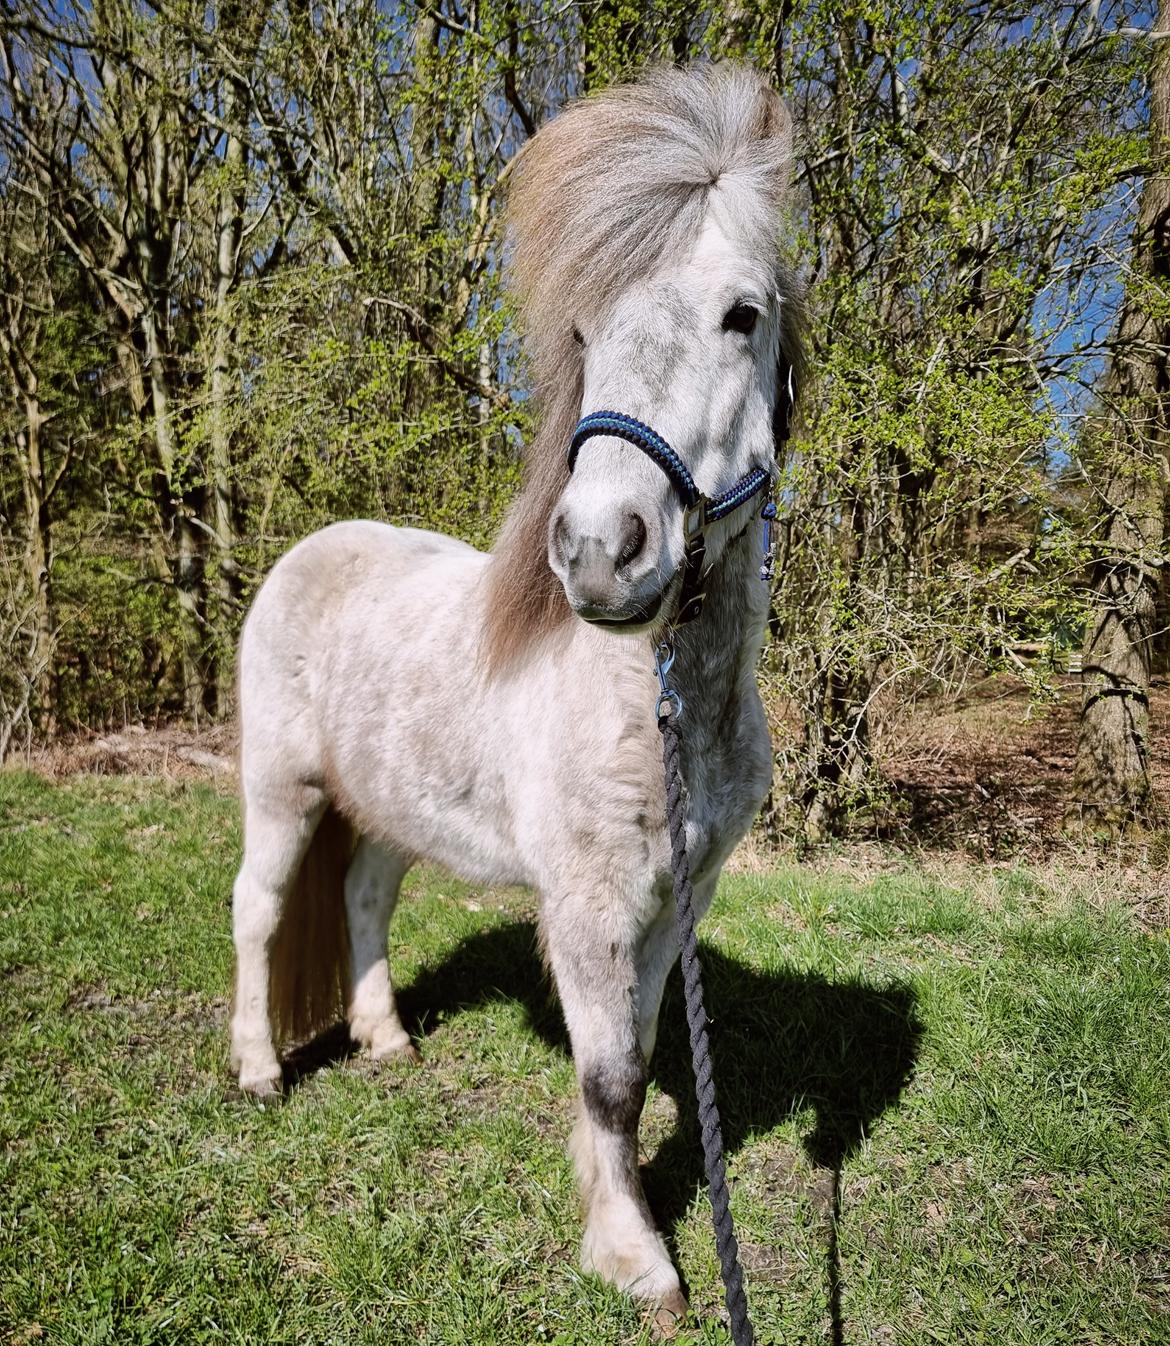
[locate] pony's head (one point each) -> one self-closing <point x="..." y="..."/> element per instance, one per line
<point x="645" y="252"/>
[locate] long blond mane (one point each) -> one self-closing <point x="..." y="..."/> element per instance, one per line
<point x="599" y="198"/>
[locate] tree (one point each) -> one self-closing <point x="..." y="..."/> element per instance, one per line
<point x="26" y="317"/>
<point x="53" y="365"/>
<point x="961" y="166"/>
<point x="118" y="86"/>
<point x="1127" y="463"/>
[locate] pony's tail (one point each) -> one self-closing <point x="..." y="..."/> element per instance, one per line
<point x="309" y="970"/>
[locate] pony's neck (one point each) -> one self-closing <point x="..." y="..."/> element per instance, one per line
<point x="716" y="654"/>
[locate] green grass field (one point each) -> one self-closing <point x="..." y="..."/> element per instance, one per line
<point x="947" y="1108"/>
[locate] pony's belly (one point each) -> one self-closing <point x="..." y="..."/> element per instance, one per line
<point x="471" y="847"/>
<point x="421" y="806"/>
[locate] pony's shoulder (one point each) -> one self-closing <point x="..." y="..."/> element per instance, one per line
<point x="356" y="539"/>
<point x="371" y="533"/>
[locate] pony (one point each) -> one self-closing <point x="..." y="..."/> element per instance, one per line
<point x="404" y="697"/>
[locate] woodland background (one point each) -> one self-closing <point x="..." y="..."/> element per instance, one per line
<point x="251" y="282"/>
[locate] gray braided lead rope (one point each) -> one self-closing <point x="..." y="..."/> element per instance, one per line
<point x="742" y="1333"/>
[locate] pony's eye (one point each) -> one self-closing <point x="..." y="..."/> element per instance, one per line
<point x="577" y="337"/>
<point x="740" y="318"/>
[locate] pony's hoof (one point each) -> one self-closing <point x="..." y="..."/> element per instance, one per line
<point x="392" y="1044"/>
<point x="405" y="1051"/>
<point x="668" y="1315"/>
<point x="262" y="1083"/>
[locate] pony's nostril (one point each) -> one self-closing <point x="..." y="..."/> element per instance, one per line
<point x="633" y="539"/>
<point x="560" y="539"/>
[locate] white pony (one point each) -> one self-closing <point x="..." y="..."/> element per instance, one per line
<point x="404" y="697"/>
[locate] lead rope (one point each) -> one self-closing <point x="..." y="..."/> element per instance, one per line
<point x="698" y="511"/>
<point x="742" y="1333"/>
<point x="669" y="711"/>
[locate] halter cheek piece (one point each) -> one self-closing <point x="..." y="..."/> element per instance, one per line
<point x="698" y="510"/>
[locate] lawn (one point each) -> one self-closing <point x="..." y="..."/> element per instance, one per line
<point x="947" y="1107"/>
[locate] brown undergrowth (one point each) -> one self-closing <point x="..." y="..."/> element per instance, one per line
<point x="983" y="779"/>
<point x="992" y="772"/>
<point x="984" y="782"/>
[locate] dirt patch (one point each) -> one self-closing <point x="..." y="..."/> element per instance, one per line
<point x="772" y="1263"/>
<point x="169" y="1010"/>
<point x="778" y="1172"/>
<point x="992" y="773"/>
<point x="170" y="751"/>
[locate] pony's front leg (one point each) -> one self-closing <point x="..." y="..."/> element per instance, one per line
<point x="596" y="978"/>
<point x="657" y="954"/>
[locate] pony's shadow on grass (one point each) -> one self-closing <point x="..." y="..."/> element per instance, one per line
<point x="782" y="1042"/>
<point x="330" y="1048"/>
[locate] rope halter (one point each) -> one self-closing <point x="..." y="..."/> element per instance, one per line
<point x="698" y="509"/>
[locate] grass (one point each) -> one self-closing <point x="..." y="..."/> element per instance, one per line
<point x="947" y="1107"/>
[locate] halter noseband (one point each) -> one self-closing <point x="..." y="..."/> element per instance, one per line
<point x="698" y="509"/>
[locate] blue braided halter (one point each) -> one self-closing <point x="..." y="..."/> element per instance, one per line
<point x="641" y="437"/>
<point x="659" y="452"/>
<point x="698" y="509"/>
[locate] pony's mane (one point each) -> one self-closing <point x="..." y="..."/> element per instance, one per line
<point x="596" y="200"/>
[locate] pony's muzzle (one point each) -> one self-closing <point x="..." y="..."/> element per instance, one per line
<point x="609" y="573"/>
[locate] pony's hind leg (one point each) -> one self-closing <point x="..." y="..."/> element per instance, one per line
<point x="596" y="978"/>
<point x="275" y="842"/>
<point x="372" y="883"/>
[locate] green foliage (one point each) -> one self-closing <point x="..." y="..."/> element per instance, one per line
<point x="118" y="649"/>
<point x="931" y="524"/>
<point x="323" y="431"/>
<point x="298" y="211"/>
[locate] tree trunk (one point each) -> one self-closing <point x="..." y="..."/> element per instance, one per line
<point x="1112" y="776"/>
<point x="837" y="733"/>
<point x="230" y="224"/>
<point x="1161" y="659"/>
<point x="38" y="565"/>
<point x="426" y="210"/>
<point x="19" y="344"/>
<point x="176" y="510"/>
<point x="426" y="169"/>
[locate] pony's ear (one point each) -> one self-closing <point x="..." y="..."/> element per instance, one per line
<point x="785" y="407"/>
<point x="772" y="120"/>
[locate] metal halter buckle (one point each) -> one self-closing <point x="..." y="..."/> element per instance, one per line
<point x="694" y="519"/>
<point x="669" y="704"/>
